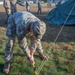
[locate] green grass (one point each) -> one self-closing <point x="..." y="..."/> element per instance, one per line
<point x="61" y="60"/>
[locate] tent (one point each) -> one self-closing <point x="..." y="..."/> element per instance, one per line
<point x="63" y="13"/>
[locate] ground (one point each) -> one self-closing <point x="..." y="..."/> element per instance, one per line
<point x="60" y="49"/>
<point x="67" y="34"/>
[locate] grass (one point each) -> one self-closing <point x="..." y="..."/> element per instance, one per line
<point x="61" y="59"/>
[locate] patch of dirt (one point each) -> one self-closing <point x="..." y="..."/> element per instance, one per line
<point x="2" y="29"/>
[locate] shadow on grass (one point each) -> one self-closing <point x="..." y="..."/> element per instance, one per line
<point x="3" y="19"/>
<point x="1" y="68"/>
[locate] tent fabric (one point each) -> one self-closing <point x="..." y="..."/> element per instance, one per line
<point x="63" y="13"/>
